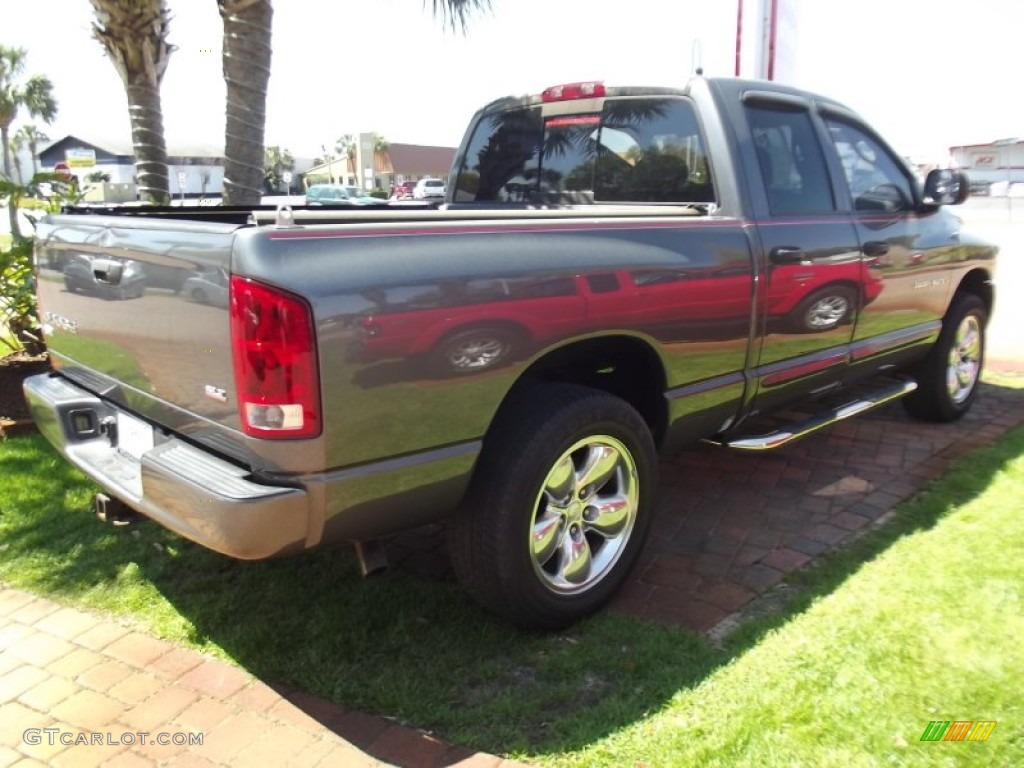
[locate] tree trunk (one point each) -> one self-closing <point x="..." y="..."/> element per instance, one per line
<point x="246" y="62"/>
<point x="12" y="202"/>
<point x="147" y="121"/>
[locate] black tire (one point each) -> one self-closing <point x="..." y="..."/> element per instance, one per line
<point x="825" y="309"/>
<point x="473" y="350"/>
<point x="497" y="538"/>
<point x="947" y="379"/>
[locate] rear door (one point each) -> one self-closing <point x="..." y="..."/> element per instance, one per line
<point x="809" y="255"/>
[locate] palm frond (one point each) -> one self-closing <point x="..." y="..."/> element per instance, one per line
<point x="455" y="13"/>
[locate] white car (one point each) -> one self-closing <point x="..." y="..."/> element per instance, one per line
<point x="428" y="188"/>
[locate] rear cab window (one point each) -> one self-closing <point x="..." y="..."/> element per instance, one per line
<point x="634" y="150"/>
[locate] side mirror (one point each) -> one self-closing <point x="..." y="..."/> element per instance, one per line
<point x="945" y="187"/>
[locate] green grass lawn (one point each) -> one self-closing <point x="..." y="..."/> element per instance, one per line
<point x="918" y="621"/>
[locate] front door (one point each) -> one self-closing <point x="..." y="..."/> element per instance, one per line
<point x="908" y="249"/>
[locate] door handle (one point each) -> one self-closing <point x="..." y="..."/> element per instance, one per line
<point x="787" y="254"/>
<point x="875" y="248"/>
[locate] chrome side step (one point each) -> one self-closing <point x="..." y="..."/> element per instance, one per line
<point x="803" y="428"/>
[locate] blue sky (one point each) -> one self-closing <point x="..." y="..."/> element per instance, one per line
<point x="927" y="73"/>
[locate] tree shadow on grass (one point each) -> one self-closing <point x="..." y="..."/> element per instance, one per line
<point x="404" y="645"/>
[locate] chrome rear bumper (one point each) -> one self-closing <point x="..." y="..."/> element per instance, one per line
<point x="191" y="491"/>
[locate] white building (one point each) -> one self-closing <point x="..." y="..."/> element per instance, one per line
<point x="995" y="163"/>
<point x="193" y="171"/>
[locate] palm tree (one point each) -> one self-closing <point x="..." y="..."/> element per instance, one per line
<point x="346" y="147"/>
<point x="346" y="144"/>
<point x="246" y="63"/>
<point x="33" y="138"/>
<point x="134" y="35"/>
<point x="380" y="146"/>
<point x="455" y="13"/>
<point x="34" y="95"/>
<point x="17" y="144"/>
<point x="276" y="161"/>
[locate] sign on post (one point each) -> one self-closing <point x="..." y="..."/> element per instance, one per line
<point x="80" y="158"/>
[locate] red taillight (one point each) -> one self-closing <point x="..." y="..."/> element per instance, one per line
<point x="276" y="371"/>
<point x="571" y="91"/>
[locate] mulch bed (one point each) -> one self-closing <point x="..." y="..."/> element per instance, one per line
<point x="14" y="369"/>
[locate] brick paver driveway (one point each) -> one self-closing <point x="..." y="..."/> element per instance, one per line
<point x="730" y="525"/>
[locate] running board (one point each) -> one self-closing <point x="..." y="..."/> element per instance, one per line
<point x="803" y="428"/>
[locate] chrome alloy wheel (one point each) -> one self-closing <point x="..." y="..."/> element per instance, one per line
<point x="964" y="360"/>
<point x="584" y="515"/>
<point x="476" y="353"/>
<point x="827" y="312"/>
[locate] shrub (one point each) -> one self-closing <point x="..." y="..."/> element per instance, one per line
<point x="18" y="297"/>
<point x="18" y="311"/>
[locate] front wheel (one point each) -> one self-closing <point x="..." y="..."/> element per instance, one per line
<point x="559" y="506"/>
<point x="947" y="379"/>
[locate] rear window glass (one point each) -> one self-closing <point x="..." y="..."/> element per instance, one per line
<point x="644" y="150"/>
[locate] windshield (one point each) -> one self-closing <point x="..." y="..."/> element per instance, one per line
<point x="646" y="150"/>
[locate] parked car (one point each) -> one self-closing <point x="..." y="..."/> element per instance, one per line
<point x="403" y="190"/>
<point x="493" y="322"/>
<point x="428" y="188"/>
<point x="96" y="277"/>
<point x="207" y="287"/>
<point x="338" y="194"/>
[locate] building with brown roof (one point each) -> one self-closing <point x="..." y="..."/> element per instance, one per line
<point x="392" y="164"/>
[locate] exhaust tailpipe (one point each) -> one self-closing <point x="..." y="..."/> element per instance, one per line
<point x="372" y="557"/>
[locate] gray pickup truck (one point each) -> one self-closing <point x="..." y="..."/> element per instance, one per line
<point x="614" y="271"/>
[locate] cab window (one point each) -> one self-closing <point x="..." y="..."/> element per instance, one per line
<point x="875" y="178"/>
<point x="792" y="165"/>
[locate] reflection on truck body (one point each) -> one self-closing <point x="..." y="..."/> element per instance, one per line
<point x="472" y="325"/>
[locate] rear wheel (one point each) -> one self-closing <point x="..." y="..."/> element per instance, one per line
<point x="559" y="508"/>
<point x="947" y="379"/>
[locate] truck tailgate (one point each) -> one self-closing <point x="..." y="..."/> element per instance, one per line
<point x="137" y="311"/>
